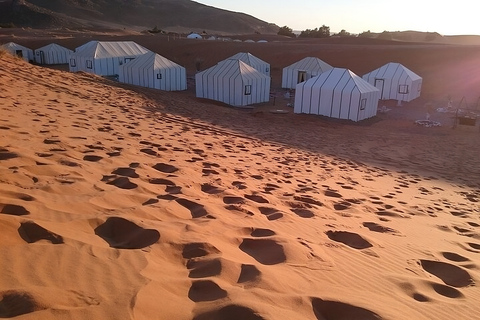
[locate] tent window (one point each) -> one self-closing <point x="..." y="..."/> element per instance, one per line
<point x="267" y="69"/>
<point x="363" y="104"/>
<point x="248" y="89"/>
<point x="89" y="64"/>
<point x="73" y="63"/>
<point x="159" y="76"/>
<point x="403" y="88"/>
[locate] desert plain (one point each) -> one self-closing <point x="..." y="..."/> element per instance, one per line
<point x="121" y="202"/>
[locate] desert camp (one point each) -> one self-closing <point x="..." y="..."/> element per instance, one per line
<point x="323" y="201"/>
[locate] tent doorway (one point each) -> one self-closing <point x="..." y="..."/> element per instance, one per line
<point x="42" y="57"/>
<point x="19" y="53"/>
<point x="302" y="76"/>
<point x="379" y="83"/>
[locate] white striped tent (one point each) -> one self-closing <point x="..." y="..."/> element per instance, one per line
<point x="52" y="54"/>
<point x="233" y="82"/>
<point x="253" y="61"/>
<point x="302" y="71"/>
<point x="18" y="50"/>
<point x="151" y="70"/>
<point x="396" y="82"/>
<point x="337" y="93"/>
<point x="104" y="57"/>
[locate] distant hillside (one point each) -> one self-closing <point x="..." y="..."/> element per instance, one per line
<point x="168" y="15"/>
<point x="424" y="37"/>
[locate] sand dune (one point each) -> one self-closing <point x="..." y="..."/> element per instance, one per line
<point x="123" y="204"/>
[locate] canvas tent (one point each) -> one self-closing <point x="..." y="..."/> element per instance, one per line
<point x="337" y="93"/>
<point x="233" y="82"/>
<point x="395" y="82"/>
<point x="302" y="71"/>
<point x="52" y="54"/>
<point x="151" y="70"/>
<point x="103" y="57"/>
<point x="18" y="50"/>
<point x="253" y="61"/>
<point x="194" y="36"/>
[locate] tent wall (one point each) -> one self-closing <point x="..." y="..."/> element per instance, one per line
<point x="154" y="71"/>
<point x="311" y="66"/>
<point x="395" y="82"/>
<point x="337" y="94"/>
<point x="52" y="54"/>
<point x="234" y="83"/>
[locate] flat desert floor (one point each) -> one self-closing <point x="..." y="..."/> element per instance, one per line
<point x="119" y="202"/>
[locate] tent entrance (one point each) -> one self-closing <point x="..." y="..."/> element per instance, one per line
<point x="19" y="53"/>
<point x="379" y="83"/>
<point x="42" y="57"/>
<point x="302" y="76"/>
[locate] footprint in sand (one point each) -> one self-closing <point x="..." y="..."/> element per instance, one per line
<point x="230" y="312"/>
<point x="271" y="213"/>
<point x="92" y="158"/>
<point x="16" y="303"/>
<point x="260" y="233"/>
<point x="5" y="154"/>
<point x="375" y="227"/>
<point x="126" y="172"/>
<point x="32" y="232"/>
<point x="149" y="151"/>
<point x="450" y="274"/>
<point x="210" y="189"/>
<point x="196" y="210"/>
<point x="233" y="200"/>
<point x="265" y="251"/>
<point x="248" y="273"/>
<point x="204" y="268"/>
<point x="161" y="181"/>
<point x="256" y="198"/>
<point x="13" y="209"/>
<point x="336" y="310"/>
<point x="239" y="185"/>
<point x="165" y="168"/>
<point x="120" y="233"/>
<point x="349" y="238"/>
<point x="122" y="183"/>
<point x="198" y="249"/>
<point x="308" y="199"/>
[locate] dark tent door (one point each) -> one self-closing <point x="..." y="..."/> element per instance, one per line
<point x="379" y="83"/>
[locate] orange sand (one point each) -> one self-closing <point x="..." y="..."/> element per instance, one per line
<point x="116" y="204"/>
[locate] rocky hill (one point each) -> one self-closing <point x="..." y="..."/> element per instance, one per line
<point x="168" y="15"/>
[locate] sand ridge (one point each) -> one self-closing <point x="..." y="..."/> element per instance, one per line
<point x="143" y="205"/>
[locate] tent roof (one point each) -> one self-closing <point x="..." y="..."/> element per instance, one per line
<point x="103" y="49"/>
<point x="53" y="46"/>
<point x="329" y="79"/>
<point x="152" y="59"/>
<point x="11" y="45"/>
<point x="235" y="66"/>
<point x="310" y="63"/>
<point x="248" y="58"/>
<point x="392" y="68"/>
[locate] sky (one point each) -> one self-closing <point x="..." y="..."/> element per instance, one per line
<point x="457" y="17"/>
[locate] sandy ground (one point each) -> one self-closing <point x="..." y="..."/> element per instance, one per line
<point x="125" y="203"/>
